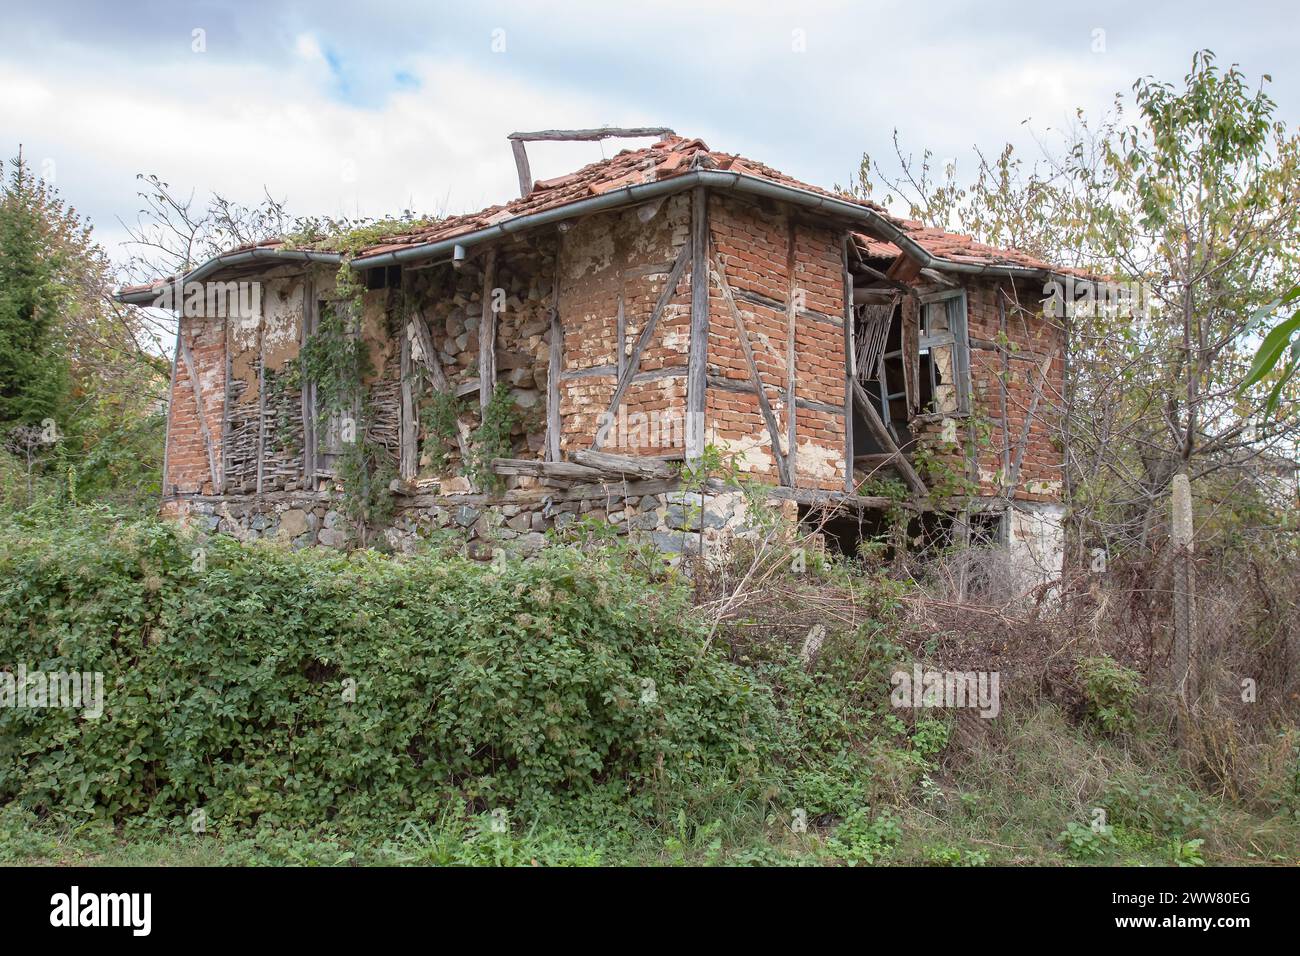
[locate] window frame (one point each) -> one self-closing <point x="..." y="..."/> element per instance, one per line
<point x="957" y="337"/>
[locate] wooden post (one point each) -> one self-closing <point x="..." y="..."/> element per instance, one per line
<point x="1184" y="591"/>
<point x="408" y="429"/>
<point x="261" y="404"/>
<point x="792" y="316"/>
<point x="697" y="356"/>
<point x="850" y="375"/>
<point x="487" y="335"/>
<point x="521" y="167"/>
<point x="1005" y="372"/>
<point x="310" y="317"/>
<point x="171" y="395"/>
<point x="554" y="423"/>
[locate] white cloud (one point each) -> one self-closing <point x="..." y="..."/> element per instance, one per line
<point x="234" y="128"/>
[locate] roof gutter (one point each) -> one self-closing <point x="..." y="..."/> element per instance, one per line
<point x="149" y="296"/>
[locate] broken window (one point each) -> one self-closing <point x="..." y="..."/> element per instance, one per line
<point x="944" y="351"/>
<point x="878" y="341"/>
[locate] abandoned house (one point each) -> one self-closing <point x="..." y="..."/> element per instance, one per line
<point x="669" y="303"/>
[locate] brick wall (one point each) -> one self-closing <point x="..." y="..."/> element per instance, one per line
<point x="624" y="257"/>
<point x="188" y="470"/>
<point x="604" y="260"/>
<point x="757" y="243"/>
<point x="1033" y="345"/>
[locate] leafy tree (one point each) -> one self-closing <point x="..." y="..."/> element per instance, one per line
<point x="1195" y="200"/>
<point x="93" y="370"/>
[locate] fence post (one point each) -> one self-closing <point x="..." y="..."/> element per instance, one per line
<point x="1184" y="594"/>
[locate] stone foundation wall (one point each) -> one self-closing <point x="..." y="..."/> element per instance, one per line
<point x="672" y="520"/>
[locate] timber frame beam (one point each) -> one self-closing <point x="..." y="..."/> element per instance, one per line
<point x="747" y="348"/>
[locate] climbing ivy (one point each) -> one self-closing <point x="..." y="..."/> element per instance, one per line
<point x="492" y="440"/>
<point x="440" y="427"/>
<point x="336" y="361"/>
<point x="366" y="473"/>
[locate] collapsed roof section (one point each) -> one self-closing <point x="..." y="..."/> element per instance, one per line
<point x="672" y="165"/>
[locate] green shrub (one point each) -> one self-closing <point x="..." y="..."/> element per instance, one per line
<point x="1084" y="842"/>
<point x="1155" y="806"/>
<point x="1110" y="691"/>
<point x="227" y="689"/>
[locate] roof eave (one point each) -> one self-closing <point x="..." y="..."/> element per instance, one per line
<point x="147" y="297"/>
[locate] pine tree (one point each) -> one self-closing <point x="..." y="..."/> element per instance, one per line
<point x="33" y="358"/>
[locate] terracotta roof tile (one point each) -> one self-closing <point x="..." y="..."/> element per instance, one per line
<point x="673" y="156"/>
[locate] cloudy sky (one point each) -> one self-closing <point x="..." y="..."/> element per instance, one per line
<point x="371" y="108"/>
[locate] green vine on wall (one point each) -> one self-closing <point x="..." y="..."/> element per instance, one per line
<point x="492" y="440"/>
<point x="440" y="421"/>
<point x="336" y="360"/>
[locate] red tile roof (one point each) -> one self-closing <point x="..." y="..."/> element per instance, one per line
<point x="671" y="157"/>
<point x="957" y="248"/>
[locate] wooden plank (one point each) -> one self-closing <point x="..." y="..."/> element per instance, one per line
<point x="261" y="404"/>
<point x="882" y="436"/>
<point x="225" y="399"/>
<point x="634" y="360"/>
<point x="188" y="356"/>
<point x="487" y="335"/>
<point x="408" y="428"/>
<point x="587" y="135"/>
<point x="747" y="349"/>
<point x="697" y="355"/>
<point x="623" y="464"/>
<point x="521" y="167"/>
<point x="545" y="469"/>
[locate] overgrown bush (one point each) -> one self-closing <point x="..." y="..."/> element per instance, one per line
<point x="262" y="685"/>
<point x="1110" y="691"/>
